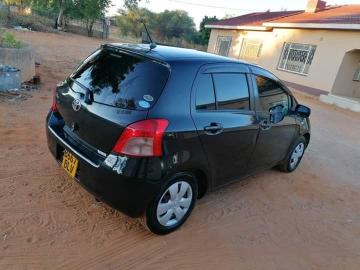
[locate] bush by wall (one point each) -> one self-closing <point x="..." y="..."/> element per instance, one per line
<point x="7" y="40"/>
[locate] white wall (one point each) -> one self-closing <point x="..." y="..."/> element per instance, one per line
<point x="331" y="48"/>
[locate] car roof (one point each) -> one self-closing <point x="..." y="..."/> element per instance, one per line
<point x="168" y="53"/>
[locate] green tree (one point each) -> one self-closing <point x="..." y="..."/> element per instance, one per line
<point x="175" y="23"/>
<point x="163" y="26"/>
<point x="21" y="4"/>
<point x="129" y="21"/>
<point x="86" y="10"/>
<point x="131" y="4"/>
<point x="204" y="33"/>
<point x="90" y="11"/>
<point x="45" y="8"/>
<point x="57" y="8"/>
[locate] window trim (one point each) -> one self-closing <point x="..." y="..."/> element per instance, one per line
<point x="229" y="38"/>
<point x="224" y="67"/>
<point x="250" y="110"/>
<point x="287" y="57"/>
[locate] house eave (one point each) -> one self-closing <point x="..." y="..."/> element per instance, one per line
<point x="239" y="27"/>
<point x="331" y="26"/>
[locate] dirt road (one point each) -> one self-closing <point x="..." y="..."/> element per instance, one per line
<point x="305" y="220"/>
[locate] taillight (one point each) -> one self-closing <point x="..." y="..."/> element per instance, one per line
<point x="53" y="106"/>
<point x="142" y="139"/>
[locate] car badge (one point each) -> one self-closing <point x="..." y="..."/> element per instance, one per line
<point x="76" y="105"/>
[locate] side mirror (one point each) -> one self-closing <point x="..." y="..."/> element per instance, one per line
<point x="277" y="114"/>
<point x="302" y="111"/>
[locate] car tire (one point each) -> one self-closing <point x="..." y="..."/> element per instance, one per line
<point x="173" y="205"/>
<point x="294" y="156"/>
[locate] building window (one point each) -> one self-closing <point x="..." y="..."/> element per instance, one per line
<point x="297" y="58"/>
<point x="251" y="48"/>
<point x="357" y="74"/>
<point x="223" y="45"/>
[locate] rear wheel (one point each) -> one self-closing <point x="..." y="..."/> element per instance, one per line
<point x="173" y="205"/>
<point x="294" y="156"/>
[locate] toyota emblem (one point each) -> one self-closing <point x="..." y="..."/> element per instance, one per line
<point x="76" y="105"/>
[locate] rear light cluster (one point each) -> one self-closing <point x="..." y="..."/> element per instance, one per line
<point x="142" y="139"/>
<point x="54" y="106"/>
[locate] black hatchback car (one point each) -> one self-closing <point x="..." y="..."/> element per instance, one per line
<point x="149" y="131"/>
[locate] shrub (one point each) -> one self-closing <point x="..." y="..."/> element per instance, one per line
<point x="3" y="16"/>
<point x="7" y="40"/>
<point x="33" y="22"/>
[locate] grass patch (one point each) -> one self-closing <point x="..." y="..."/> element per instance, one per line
<point x="7" y="40"/>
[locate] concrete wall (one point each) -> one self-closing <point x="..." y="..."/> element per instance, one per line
<point x="79" y="27"/>
<point x="344" y="84"/>
<point x="82" y="31"/>
<point x="331" y="48"/>
<point x="23" y="59"/>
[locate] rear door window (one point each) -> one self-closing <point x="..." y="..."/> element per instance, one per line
<point x="232" y="91"/>
<point x="205" y="97"/>
<point x="122" y="80"/>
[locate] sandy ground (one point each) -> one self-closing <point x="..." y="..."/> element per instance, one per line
<point x="305" y="220"/>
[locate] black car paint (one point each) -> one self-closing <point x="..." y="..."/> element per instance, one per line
<point x="272" y="145"/>
<point x="241" y="148"/>
<point x="239" y="132"/>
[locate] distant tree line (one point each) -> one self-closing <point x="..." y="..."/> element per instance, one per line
<point x="60" y="10"/>
<point x="164" y="25"/>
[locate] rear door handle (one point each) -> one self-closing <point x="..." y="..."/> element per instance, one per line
<point x="213" y="129"/>
<point x="265" y="124"/>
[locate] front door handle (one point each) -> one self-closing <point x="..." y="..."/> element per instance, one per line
<point x="213" y="129"/>
<point x="265" y="124"/>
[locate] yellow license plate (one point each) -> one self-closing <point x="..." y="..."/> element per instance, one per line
<point x="69" y="163"/>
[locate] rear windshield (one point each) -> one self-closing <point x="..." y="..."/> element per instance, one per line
<point x="122" y="80"/>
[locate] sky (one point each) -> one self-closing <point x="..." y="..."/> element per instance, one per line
<point x="221" y="8"/>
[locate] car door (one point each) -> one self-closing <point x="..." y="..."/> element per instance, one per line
<point x="276" y="131"/>
<point x="225" y="120"/>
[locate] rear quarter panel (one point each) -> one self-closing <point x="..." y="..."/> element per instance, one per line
<point x="182" y="148"/>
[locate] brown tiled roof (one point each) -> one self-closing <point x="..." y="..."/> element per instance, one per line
<point x="349" y="14"/>
<point x="346" y="14"/>
<point x="255" y="19"/>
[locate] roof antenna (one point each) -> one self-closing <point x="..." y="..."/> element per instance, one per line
<point x="152" y="43"/>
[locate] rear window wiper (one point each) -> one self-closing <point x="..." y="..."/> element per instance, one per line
<point x="89" y="94"/>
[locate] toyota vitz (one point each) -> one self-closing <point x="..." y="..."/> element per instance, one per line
<point x="150" y="130"/>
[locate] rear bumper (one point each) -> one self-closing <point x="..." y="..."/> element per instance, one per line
<point x="129" y="191"/>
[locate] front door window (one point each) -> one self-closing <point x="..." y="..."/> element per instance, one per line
<point x="271" y="95"/>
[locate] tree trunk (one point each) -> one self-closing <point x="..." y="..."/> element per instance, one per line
<point x="59" y="22"/>
<point x="89" y="27"/>
<point x="8" y="15"/>
<point x="22" y="8"/>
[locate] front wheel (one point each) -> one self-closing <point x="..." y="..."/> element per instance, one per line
<point x="294" y="156"/>
<point x="173" y="205"/>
